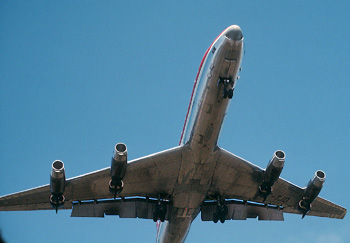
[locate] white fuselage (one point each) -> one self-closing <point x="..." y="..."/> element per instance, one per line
<point x="201" y="130"/>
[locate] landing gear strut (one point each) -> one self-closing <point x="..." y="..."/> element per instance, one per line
<point x="228" y="92"/>
<point x="160" y="210"/>
<point x="221" y="211"/>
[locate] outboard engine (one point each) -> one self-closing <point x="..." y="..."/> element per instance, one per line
<point x="118" y="168"/>
<point x="272" y="173"/>
<point x="311" y="192"/>
<point x="57" y="184"/>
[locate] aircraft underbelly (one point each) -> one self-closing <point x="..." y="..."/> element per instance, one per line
<point x="205" y="122"/>
<point x="211" y="109"/>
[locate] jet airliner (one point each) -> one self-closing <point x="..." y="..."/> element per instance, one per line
<point x="173" y="186"/>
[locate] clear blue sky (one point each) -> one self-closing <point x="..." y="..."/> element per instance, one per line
<point x="78" y="77"/>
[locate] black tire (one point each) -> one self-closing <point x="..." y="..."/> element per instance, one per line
<point x="162" y="217"/>
<point x="230" y="93"/>
<point x="225" y="93"/>
<point x="155" y="217"/>
<point x="215" y="218"/>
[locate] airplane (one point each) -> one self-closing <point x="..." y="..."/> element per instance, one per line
<point x="173" y="186"/>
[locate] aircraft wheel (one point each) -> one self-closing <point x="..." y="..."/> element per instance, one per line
<point x="222" y="220"/>
<point x="162" y="217"/>
<point x="155" y="217"/>
<point x="162" y="211"/>
<point x="225" y="93"/>
<point x="215" y="218"/>
<point x="230" y="93"/>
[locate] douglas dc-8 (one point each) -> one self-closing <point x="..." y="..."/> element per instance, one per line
<point x="173" y="186"/>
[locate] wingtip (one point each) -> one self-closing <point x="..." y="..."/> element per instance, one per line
<point x="344" y="213"/>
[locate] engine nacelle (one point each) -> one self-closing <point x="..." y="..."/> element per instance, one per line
<point x="272" y="173"/>
<point x="118" y="168"/>
<point x="57" y="184"/>
<point x="311" y="191"/>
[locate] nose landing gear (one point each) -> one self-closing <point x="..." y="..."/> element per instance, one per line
<point x="228" y="92"/>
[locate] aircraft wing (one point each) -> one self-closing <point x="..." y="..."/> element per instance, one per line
<point x="236" y="178"/>
<point x="145" y="177"/>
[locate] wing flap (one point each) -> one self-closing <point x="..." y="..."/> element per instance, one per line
<point x="238" y="210"/>
<point x="125" y="208"/>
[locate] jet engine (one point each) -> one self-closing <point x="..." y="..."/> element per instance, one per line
<point x="118" y="168"/>
<point x="311" y="191"/>
<point x="57" y="184"/>
<point x="272" y="173"/>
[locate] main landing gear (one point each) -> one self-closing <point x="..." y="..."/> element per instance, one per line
<point x="221" y="211"/>
<point x="160" y="210"/>
<point x="228" y="92"/>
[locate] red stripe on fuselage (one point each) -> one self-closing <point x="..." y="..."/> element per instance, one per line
<point x="195" y="83"/>
<point x="194" y="87"/>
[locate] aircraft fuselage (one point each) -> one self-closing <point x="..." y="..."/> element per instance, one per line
<point x="217" y="74"/>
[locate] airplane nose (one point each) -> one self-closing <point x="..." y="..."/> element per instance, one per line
<point x="234" y="33"/>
